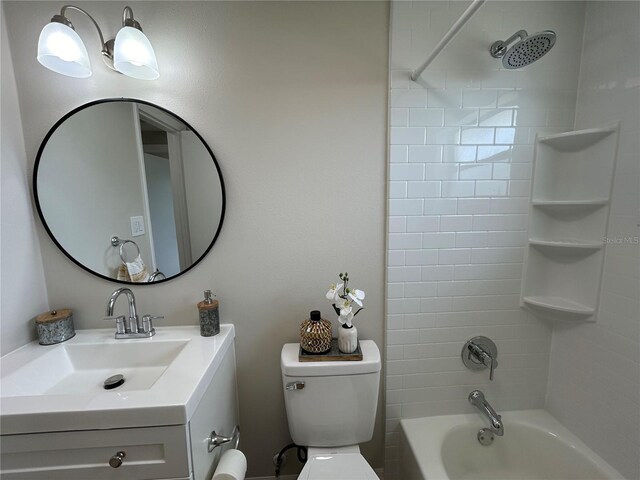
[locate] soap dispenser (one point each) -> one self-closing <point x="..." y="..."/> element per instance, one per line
<point x="209" y="316"/>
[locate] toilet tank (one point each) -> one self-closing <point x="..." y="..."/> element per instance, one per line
<point x="337" y="405"/>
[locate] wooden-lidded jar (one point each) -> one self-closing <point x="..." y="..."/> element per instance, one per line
<point x="55" y="326"/>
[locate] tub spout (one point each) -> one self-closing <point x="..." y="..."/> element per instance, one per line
<point x="476" y="398"/>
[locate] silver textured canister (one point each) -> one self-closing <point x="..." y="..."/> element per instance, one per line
<point x="55" y="326"/>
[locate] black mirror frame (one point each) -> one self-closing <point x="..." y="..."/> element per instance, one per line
<point x="46" y="226"/>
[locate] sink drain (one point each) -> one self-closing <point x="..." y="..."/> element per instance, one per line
<point x="113" y="382"/>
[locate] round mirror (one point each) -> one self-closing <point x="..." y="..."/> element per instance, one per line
<point x="129" y="191"/>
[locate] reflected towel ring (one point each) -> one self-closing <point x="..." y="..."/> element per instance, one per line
<point x="124" y="242"/>
<point x="116" y="241"/>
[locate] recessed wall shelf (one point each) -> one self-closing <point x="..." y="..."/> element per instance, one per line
<point x="570" y="205"/>
<point x="574" y="203"/>
<point x="576" y="141"/>
<point x="558" y="305"/>
<point x="569" y="244"/>
<point x="568" y="214"/>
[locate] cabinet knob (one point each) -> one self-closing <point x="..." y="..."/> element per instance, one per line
<point x="116" y="460"/>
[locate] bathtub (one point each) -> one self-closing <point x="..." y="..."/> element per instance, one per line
<point x="535" y="446"/>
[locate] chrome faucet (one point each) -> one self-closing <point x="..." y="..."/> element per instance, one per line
<point x="155" y="275"/>
<point x="133" y="328"/>
<point x="480" y="353"/>
<point x="476" y="398"/>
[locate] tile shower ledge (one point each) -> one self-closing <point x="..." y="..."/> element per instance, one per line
<point x="168" y="399"/>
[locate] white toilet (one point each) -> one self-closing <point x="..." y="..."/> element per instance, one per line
<point x="331" y="408"/>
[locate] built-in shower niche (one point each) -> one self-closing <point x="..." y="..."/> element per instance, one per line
<point x="566" y="224"/>
<point x="570" y="196"/>
<point x="560" y="281"/>
<point x="575" y="166"/>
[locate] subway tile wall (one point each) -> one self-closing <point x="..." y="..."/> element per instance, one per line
<point x="594" y="378"/>
<point x="461" y="151"/>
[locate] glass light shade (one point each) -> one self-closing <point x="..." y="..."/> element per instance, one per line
<point x="133" y="55"/>
<point x="60" y="49"/>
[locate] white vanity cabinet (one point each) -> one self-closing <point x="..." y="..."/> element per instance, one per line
<point x="161" y="451"/>
<point x="217" y="411"/>
<point x="150" y="453"/>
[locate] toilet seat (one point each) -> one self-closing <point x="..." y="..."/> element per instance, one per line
<point x="336" y="464"/>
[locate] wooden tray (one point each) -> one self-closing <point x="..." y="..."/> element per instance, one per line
<point x="333" y="355"/>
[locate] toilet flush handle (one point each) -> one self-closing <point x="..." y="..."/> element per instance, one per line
<point x="297" y="385"/>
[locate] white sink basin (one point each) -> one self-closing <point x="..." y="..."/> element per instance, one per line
<point x="61" y="387"/>
<point x="82" y="368"/>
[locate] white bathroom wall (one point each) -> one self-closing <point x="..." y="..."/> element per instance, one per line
<point x="204" y="203"/>
<point x="461" y="150"/>
<point x="292" y="99"/>
<point x="23" y="292"/>
<point x="594" y="379"/>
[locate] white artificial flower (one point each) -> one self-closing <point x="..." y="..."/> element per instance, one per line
<point x="333" y="291"/>
<point x="357" y="296"/>
<point x="345" y="307"/>
<point x="346" y="319"/>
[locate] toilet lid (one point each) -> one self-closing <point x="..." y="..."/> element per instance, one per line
<point x="344" y="466"/>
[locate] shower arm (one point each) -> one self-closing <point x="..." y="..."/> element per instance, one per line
<point x="455" y="28"/>
<point x="499" y="48"/>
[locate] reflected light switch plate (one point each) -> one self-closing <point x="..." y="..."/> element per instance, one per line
<point x="137" y="226"/>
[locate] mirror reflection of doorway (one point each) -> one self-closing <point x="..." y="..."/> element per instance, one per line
<point x="164" y="183"/>
<point x="161" y="213"/>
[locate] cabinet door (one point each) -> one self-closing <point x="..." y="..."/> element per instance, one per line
<point x="218" y="410"/>
<point x="150" y="453"/>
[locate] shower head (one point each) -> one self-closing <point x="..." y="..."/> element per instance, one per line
<point x="527" y="50"/>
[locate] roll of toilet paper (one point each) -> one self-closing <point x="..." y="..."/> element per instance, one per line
<point x="232" y="466"/>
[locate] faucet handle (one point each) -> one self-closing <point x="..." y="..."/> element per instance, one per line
<point x="119" y="322"/>
<point x="147" y="322"/>
<point x="479" y="353"/>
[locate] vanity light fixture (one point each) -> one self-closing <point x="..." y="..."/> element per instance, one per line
<point x="61" y="49"/>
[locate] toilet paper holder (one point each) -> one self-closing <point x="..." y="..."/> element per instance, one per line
<point x="215" y="440"/>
